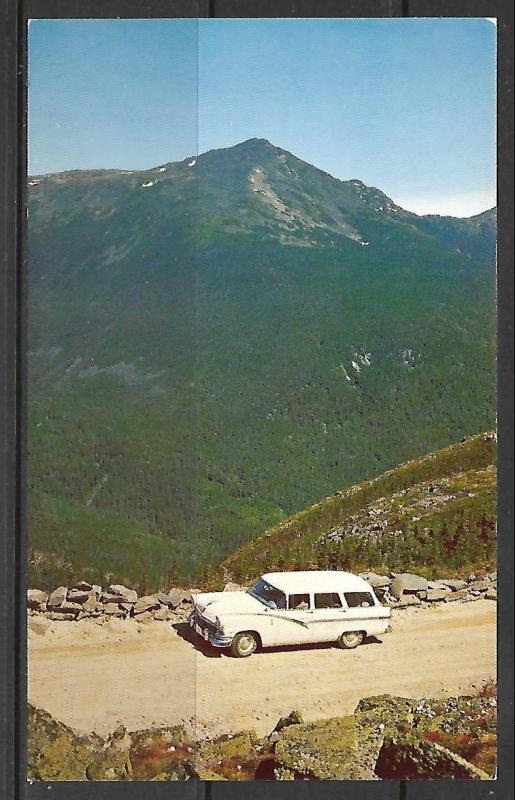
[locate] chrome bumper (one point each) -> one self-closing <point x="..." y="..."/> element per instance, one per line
<point x="206" y="632"/>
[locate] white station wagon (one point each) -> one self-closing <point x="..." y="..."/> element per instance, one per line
<point x="285" y="608"/>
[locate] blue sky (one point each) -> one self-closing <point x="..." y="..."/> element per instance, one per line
<point x="404" y="105"/>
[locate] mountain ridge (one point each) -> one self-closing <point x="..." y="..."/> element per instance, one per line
<point x="218" y="343"/>
<point x="102" y="171"/>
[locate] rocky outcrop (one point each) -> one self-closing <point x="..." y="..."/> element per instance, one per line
<point x="405" y="759"/>
<point x="386" y="737"/>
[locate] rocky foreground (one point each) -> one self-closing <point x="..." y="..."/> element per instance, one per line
<point x="85" y="600"/>
<point x="385" y="737"/>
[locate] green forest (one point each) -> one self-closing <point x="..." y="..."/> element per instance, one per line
<point x="205" y="361"/>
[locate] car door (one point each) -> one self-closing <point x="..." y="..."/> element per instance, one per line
<point x="292" y="625"/>
<point x="327" y="616"/>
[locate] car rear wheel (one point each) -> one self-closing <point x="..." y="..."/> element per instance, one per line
<point x="244" y="644"/>
<point x="350" y="640"/>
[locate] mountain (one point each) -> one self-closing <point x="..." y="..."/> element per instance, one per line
<point x="218" y="342"/>
<point x="435" y="514"/>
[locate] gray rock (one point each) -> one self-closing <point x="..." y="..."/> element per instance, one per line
<point x="376" y="581"/>
<point x="480" y="586"/>
<point x="124" y="594"/>
<point x="57" y="597"/>
<point x="77" y="595"/>
<point x="176" y="597"/>
<point x="491" y="594"/>
<point x="438" y="585"/>
<point x="37" y="599"/>
<point x="69" y="607"/>
<point x="111" y="609"/>
<point x="409" y="600"/>
<point x="83" y="586"/>
<point x="91" y="604"/>
<point x="232" y="587"/>
<point x="160" y="613"/>
<point x="460" y="594"/>
<point x="146" y="603"/>
<point x="405" y="582"/>
<point x="436" y="595"/>
<point x="164" y="599"/>
<point x="454" y="585"/>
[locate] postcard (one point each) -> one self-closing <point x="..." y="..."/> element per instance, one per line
<point x="261" y="260"/>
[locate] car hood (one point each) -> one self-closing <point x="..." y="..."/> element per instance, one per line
<point x="212" y="604"/>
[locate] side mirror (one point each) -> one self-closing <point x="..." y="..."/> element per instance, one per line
<point x="272" y="604"/>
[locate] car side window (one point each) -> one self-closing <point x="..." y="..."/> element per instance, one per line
<point x="328" y="600"/>
<point x="299" y="601"/>
<point x="359" y="599"/>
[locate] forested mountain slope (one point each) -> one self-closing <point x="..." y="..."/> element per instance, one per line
<point x="219" y="342"/>
<point x="435" y="515"/>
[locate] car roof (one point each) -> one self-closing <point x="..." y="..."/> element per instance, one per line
<point x="316" y="581"/>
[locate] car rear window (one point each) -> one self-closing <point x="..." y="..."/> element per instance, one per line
<point x="359" y="599"/>
<point x="328" y="600"/>
<point x="299" y="601"/>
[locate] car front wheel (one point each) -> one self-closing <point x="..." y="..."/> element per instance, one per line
<point x="243" y="645"/>
<point x="350" y="640"/>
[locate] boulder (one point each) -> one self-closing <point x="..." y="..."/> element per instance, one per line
<point x="114" y="763"/>
<point x="176" y="597"/>
<point x="409" y="600"/>
<point x="64" y="616"/>
<point x="438" y="585"/>
<point x="125" y="595"/>
<point x="110" y="609"/>
<point x="83" y="586"/>
<point x="460" y="594"/>
<point x="436" y="595"/>
<point x="77" y="595"/>
<point x="491" y="594"/>
<point x="146" y="603"/>
<point x="480" y="586"/>
<point x="54" y="751"/>
<point x="57" y="597"/>
<point x="164" y="599"/>
<point x="69" y="607"/>
<point x="405" y="582"/>
<point x="407" y="759"/>
<point x="91" y="604"/>
<point x="376" y="581"/>
<point x="37" y="599"/>
<point x="454" y="585"/>
<point x="324" y="750"/>
<point x="232" y="587"/>
<point x="491" y="576"/>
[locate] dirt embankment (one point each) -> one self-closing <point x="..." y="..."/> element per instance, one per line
<point x="95" y="677"/>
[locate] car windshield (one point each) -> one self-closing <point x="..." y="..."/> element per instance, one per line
<point x="268" y="594"/>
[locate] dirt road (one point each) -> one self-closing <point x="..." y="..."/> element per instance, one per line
<point x="94" y="677"/>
